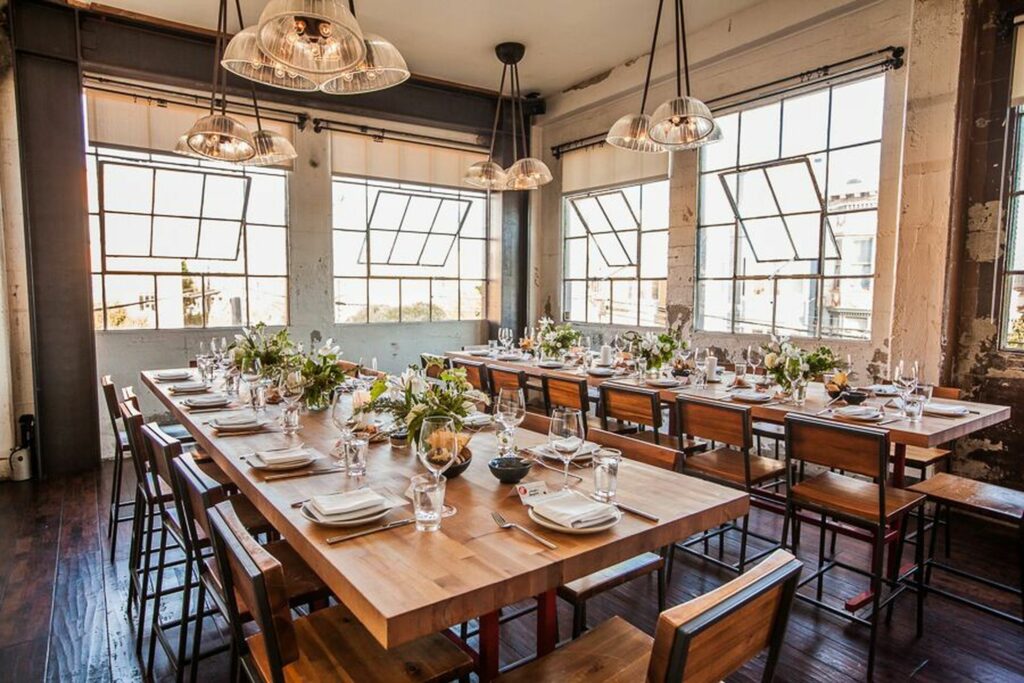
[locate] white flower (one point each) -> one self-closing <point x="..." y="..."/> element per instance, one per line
<point x="771" y="360"/>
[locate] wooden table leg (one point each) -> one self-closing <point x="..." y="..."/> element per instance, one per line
<point x="489" y="647"/>
<point x="899" y="462"/>
<point x="547" y="623"/>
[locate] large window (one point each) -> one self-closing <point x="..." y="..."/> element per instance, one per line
<point x="183" y="243"/>
<point x="615" y="255"/>
<point x="1012" y="334"/>
<point x="787" y="219"/>
<point x="405" y="252"/>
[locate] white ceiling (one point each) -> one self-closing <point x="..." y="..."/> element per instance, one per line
<point x="567" y="41"/>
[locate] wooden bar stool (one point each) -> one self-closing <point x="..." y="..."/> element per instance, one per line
<point x="633" y="405"/>
<point x="980" y="498"/>
<point x="329" y="644"/>
<point x="705" y="639"/>
<point x="867" y="505"/>
<point x="731" y="464"/>
<point x="476" y="373"/>
<point x="114" y="517"/>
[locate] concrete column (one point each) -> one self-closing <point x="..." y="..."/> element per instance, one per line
<point x="682" y="237"/>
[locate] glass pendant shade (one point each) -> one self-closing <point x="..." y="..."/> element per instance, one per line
<point x="681" y="121"/>
<point x="716" y="135"/>
<point x="271" y="149"/>
<point x="313" y="36"/>
<point x="244" y="58"/>
<point x="631" y="132"/>
<point x="528" y="174"/>
<point x="222" y="138"/>
<point x="383" y="67"/>
<point x="181" y="147"/>
<point x="486" y="175"/>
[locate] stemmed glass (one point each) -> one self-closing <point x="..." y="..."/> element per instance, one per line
<point x="905" y="378"/>
<point x="291" y="386"/>
<point x="438" y="446"/>
<point x="753" y="360"/>
<point x="510" y="411"/>
<point x="342" y="413"/>
<point x="700" y="357"/>
<point x="565" y="437"/>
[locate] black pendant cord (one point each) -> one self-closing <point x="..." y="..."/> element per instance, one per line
<point x="682" y="32"/>
<point x="497" y="112"/>
<point x="252" y="85"/>
<point x="679" y="70"/>
<point x="650" y="60"/>
<point x="522" y="115"/>
<point x="215" y="75"/>
<point x="515" y="129"/>
<point x="220" y="53"/>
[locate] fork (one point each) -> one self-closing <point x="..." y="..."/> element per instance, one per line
<point x="505" y="524"/>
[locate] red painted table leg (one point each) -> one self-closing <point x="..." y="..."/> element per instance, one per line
<point x="489" y="647"/>
<point x="899" y="462"/>
<point x="547" y="623"/>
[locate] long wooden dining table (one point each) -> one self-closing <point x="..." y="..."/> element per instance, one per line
<point x="403" y="584"/>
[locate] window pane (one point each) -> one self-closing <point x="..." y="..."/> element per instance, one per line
<point x="573" y="223"/>
<point x="1015" y="241"/>
<point x="348" y="246"/>
<point x="654" y="259"/>
<point x="805" y="230"/>
<point x="618" y="211"/>
<point x="178" y="193"/>
<point x="92" y="184"/>
<point x="653" y="303"/>
<point x="471" y="303"/>
<point x="475" y="222"/>
<point x="753" y="311"/>
<point x="180" y="301"/>
<point x="722" y="154"/>
<point x="614" y="249"/>
<point x="449" y="215"/>
<point x="97" y="302"/>
<point x="387" y="213"/>
<point x="224" y="197"/>
<point x="846" y="308"/>
<point x="175" y="236"/>
<point x="715" y="250"/>
<point x="95" y="248"/>
<point x="381" y="242"/>
<point x="130" y="302"/>
<point x="438" y="250"/>
<point x="219" y="239"/>
<point x="349" y="300"/>
<point x="714" y="205"/>
<point x="855" y="234"/>
<point x="655" y="206"/>
<point x="796" y="307"/>
<point x="759" y="134"/>
<point x="624" y="302"/>
<point x="127" y="188"/>
<point x="127" y="235"/>
<point x="575" y="304"/>
<point x="444" y="300"/>
<point x="267" y="250"/>
<point x="225" y="302"/>
<point x="857" y="112"/>
<point x="575" y="254"/>
<point x="349" y="206"/>
<point x="794" y="188"/>
<point x="472" y="258"/>
<point x="853" y="178"/>
<point x="593" y="218"/>
<point x="599" y="301"/>
<point x="768" y="239"/>
<point x="407" y="248"/>
<point x="383" y="300"/>
<point x="268" y="199"/>
<point x="268" y="300"/>
<point x="419" y="217"/>
<point x="754" y="198"/>
<point x="805" y="124"/>
<point x="415" y="300"/>
<point x="714" y="302"/>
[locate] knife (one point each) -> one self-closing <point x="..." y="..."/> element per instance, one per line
<point x="298" y="475"/>
<point x="632" y="510"/>
<point x="366" y="532"/>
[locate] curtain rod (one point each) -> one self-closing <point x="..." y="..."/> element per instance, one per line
<point x="829" y="73"/>
<point x="164" y="96"/>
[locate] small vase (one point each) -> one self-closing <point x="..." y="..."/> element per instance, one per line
<point x="318" y="402"/>
<point x="800" y="392"/>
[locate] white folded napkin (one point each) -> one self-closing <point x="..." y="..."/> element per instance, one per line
<point x="575" y="511"/>
<point x="859" y="412"/>
<point x="884" y="389"/>
<point x="236" y="423"/>
<point x="211" y="400"/>
<point x="476" y="419"/>
<point x="946" y="410"/>
<point x="357" y="503"/>
<point x="751" y="396"/>
<point x="173" y="374"/>
<point x="189" y="387"/>
<point x="284" y="457"/>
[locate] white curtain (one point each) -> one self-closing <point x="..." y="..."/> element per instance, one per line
<point x="607" y="166"/>
<point x="400" y="160"/>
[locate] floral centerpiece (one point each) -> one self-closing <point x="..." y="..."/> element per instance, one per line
<point x="555" y="340"/>
<point x="256" y="344"/>
<point x="657" y="348"/>
<point x="322" y="373"/>
<point x="784" y="362"/>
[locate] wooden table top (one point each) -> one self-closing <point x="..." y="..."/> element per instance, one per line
<point x="929" y="432"/>
<point x="403" y="584"/>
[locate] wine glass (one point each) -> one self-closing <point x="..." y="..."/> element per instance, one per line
<point x="342" y="414"/>
<point x="565" y="437"/>
<point x="291" y="386"/>
<point x="510" y="411"/>
<point x="437" y="449"/>
<point x="754" y="359"/>
<point x="905" y="378"/>
<point x="700" y="357"/>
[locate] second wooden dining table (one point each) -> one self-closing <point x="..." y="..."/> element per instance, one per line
<point x="403" y="584"/>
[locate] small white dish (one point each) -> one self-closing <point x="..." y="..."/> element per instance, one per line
<point x="510" y="356"/>
<point x="310" y="513"/>
<point x="189" y="388"/>
<point x="663" y="382"/>
<point x="860" y="413"/>
<point x="749" y="396"/>
<point x="479" y="352"/>
<point x="579" y="531"/>
<point x="551" y="364"/>
<point x="600" y="371"/>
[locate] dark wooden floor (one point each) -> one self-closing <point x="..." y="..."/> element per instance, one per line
<point x="62" y="612"/>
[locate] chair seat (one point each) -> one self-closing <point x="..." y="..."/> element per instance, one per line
<point x="768" y="430"/>
<point x="613" y="652"/>
<point x="726" y="464"/>
<point x="333" y="646"/>
<point x="178" y="431"/>
<point x="586" y="587"/>
<point x="919" y="456"/>
<point x="991" y="500"/>
<point x="853" y="497"/>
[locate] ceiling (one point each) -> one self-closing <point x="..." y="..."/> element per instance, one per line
<point x="567" y="41"/>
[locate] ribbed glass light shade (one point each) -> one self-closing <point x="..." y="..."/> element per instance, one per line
<point x="244" y="58"/>
<point x="486" y="175"/>
<point x="314" y="36"/>
<point x="383" y="67"/>
<point x="681" y="121"/>
<point x="714" y="136"/>
<point x="220" y="137"/>
<point x="528" y="174"/>
<point x="632" y="132"/>
<point x="271" y="149"/>
<point x="181" y="147"/>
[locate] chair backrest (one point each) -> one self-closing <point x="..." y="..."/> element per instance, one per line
<point x="137" y="445"/>
<point x="250" y="571"/>
<point x="198" y="493"/>
<point x="635" y="449"/>
<point x="162" y="450"/>
<point x="715" y="421"/>
<point x="563" y="392"/>
<point x="951" y="393"/>
<point x="710" y="637"/>
<point x="128" y="394"/>
<point x="852" y="448"/>
<point x="500" y="378"/>
<point x="630" y="404"/>
<point x="535" y="422"/>
<point x="476" y="373"/>
<point x="110" y="399"/>
<point x="433" y="364"/>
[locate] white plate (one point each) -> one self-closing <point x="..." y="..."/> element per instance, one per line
<point x="256" y="462"/>
<point x="479" y="352"/>
<point x="663" y="383"/>
<point x="510" y="356"/>
<point x="227" y="428"/>
<point x="358" y="521"/>
<point x="751" y="396"/>
<point x="601" y="372"/>
<point x="168" y="375"/>
<point x="554" y="526"/>
<point x="550" y="365"/>
<point x="859" y="415"/>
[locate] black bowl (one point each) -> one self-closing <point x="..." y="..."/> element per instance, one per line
<point x="855" y="398"/>
<point x="509" y="469"/>
<point x="456" y="470"/>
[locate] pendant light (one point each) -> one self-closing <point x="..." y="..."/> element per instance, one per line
<point x="382" y="67"/>
<point x="527" y="173"/>
<point x="632" y="131"/>
<point x="243" y="57"/>
<point x="488" y="175"/>
<point x="311" y="36"/>
<point x="684" y="122"/>
<point x="218" y="136"/>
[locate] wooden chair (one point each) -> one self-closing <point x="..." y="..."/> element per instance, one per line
<point x="500" y="378"/>
<point x="433" y="365"/>
<point x="983" y="500"/>
<point x="703" y="640"/>
<point x="476" y="373"/>
<point x="329" y="644"/>
<point x="114" y="516"/>
<point x="354" y="369"/>
<point x="634" y="405"/>
<point x="565" y="392"/>
<point x="732" y="464"/>
<point x="868" y="505"/>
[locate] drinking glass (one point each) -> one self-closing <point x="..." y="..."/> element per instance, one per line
<point x="913" y="407"/>
<point x="641" y="370"/>
<point x="291" y="386"/>
<point x="565" y="437"/>
<point x="741" y="372"/>
<point x="492" y="346"/>
<point x="606" y="473"/>
<point x="699" y="357"/>
<point x="438" y="447"/>
<point x="905" y="378"/>
<point x="341" y="416"/>
<point x="428" y="501"/>
<point x="510" y="411"/>
<point x="753" y="358"/>
<point x="355" y="456"/>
